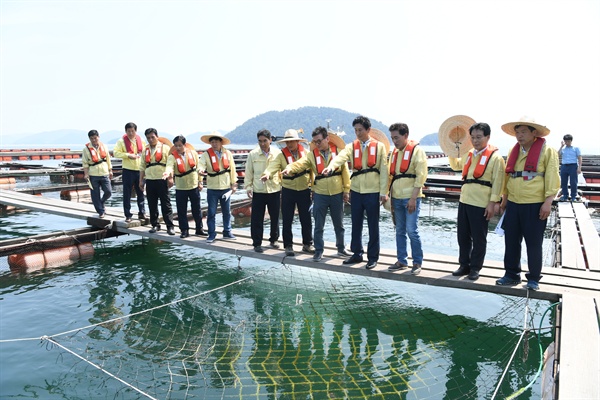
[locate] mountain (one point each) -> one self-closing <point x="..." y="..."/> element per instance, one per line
<point x="307" y="118"/>
<point x="430" y="140"/>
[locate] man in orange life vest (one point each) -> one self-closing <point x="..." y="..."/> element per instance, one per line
<point x="329" y="192"/>
<point x="408" y="171"/>
<point x="218" y="163"/>
<point x="483" y="178"/>
<point x="182" y="163"/>
<point x="152" y="166"/>
<point x="368" y="188"/>
<point x="295" y="191"/>
<point x="264" y="194"/>
<point x="531" y="184"/>
<point x="129" y="148"/>
<point x="98" y="170"/>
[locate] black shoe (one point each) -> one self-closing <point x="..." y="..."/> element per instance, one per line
<point x="462" y="271"/>
<point x="289" y="251"/>
<point x="141" y="216"/>
<point x="397" y="266"/>
<point x="353" y="260"/>
<point x="200" y="232"/>
<point x="318" y="256"/>
<point x="185" y="234"/>
<point x="473" y="275"/>
<point x="274" y="245"/>
<point x="171" y="230"/>
<point x="371" y="264"/>
<point x="259" y="249"/>
<point x="155" y="229"/>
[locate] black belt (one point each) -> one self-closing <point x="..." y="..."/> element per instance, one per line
<point x="218" y="173"/>
<point x="400" y="176"/>
<point x="306" y="171"/>
<point x="570" y="164"/>
<point x="99" y="162"/>
<point x="363" y="171"/>
<point x="186" y="172"/>
<point x="336" y="173"/>
<point x="154" y="164"/>
<point x="484" y="183"/>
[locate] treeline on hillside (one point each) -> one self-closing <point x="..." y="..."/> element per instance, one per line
<point x="307" y="118"/>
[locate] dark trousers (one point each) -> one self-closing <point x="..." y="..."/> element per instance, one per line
<point x="472" y="236"/>
<point x="522" y="221"/>
<point x="157" y="189"/>
<point x="181" y="199"/>
<point x="260" y="201"/>
<point x="289" y="200"/>
<point x="100" y="182"/>
<point x="359" y="204"/>
<point x="568" y="172"/>
<point x="131" y="179"/>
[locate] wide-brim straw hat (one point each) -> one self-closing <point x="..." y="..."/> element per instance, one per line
<point x="453" y="135"/>
<point x="206" y="138"/>
<point x="380" y="137"/>
<point x="541" y="129"/>
<point x="290" y="135"/>
<point x="333" y="139"/>
<point x="187" y="146"/>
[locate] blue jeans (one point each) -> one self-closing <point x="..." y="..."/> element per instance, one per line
<point x="181" y="199"/>
<point x="568" y="172"/>
<point x="100" y="182"/>
<point x="359" y="204"/>
<point x="335" y="204"/>
<point x="131" y="179"/>
<point x="214" y="197"/>
<point x="406" y="224"/>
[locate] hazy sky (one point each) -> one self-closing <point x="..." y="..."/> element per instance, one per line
<point x="188" y="66"/>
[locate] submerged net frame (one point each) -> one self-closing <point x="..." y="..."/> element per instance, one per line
<point x="218" y="344"/>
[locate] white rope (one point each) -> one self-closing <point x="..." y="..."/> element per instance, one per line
<point x="512" y="356"/>
<point x="98" y="367"/>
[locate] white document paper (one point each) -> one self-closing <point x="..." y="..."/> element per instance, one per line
<point x="499" y="231"/>
<point x="226" y="195"/>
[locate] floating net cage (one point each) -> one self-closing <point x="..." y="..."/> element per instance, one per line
<point x="295" y="333"/>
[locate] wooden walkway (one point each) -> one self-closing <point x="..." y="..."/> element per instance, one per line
<point x="576" y="284"/>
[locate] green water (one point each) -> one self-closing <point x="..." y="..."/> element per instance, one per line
<point x="280" y="332"/>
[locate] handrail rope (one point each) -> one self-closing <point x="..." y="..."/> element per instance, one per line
<point x="51" y="340"/>
<point x="537" y="374"/>
<point x="512" y="356"/>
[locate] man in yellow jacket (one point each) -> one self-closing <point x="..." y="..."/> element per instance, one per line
<point x="483" y="178"/>
<point x="368" y="188"/>
<point x="129" y="148"/>
<point x="221" y="182"/>
<point x="265" y="194"/>
<point x="98" y="170"/>
<point x="408" y="171"/>
<point x="329" y="192"/>
<point x="153" y="164"/>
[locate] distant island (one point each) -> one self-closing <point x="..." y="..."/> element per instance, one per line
<point x="305" y="118"/>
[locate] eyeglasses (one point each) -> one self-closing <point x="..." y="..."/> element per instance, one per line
<point x="317" y="142"/>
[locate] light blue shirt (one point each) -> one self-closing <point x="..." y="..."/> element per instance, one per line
<point x="570" y="155"/>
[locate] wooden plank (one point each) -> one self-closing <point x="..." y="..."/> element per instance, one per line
<point x="570" y="245"/>
<point x="565" y="210"/>
<point x="579" y="361"/>
<point x="589" y="236"/>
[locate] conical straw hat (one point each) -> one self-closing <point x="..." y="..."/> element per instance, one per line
<point x="333" y="139"/>
<point x="380" y="137"/>
<point x="166" y="141"/>
<point x="188" y="146"/>
<point x="454" y="135"/>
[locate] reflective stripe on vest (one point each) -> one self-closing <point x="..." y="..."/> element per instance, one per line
<point x="181" y="163"/>
<point x="481" y="165"/>
<point x="320" y="161"/>
<point x="372" y="154"/>
<point x="94" y="153"/>
<point x="138" y="143"/>
<point x="533" y="156"/>
<point x="214" y="160"/>
<point x="288" y="154"/>
<point x="157" y="153"/>
<point x="406" y="157"/>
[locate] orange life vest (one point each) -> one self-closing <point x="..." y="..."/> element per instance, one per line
<point x="483" y="162"/>
<point x="533" y="156"/>
<point x="319" y="161"/>
<point x="214" y="160"/>
<point x="95" y="157"/>
<point x="406" y="157"/>
<point x="138" y="143"/>
<point x="157" y="153"/>
<point x="181" y="162"/>
<point x="288" y="154"/>
<point x="372" y="154"/>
